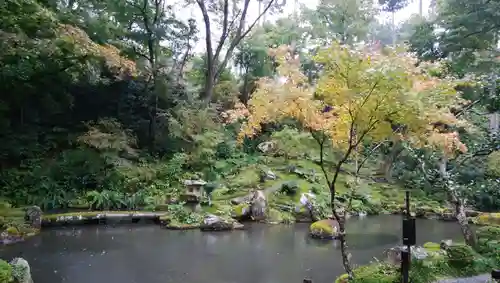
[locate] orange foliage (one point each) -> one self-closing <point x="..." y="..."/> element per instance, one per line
<point x="239" y="111"/>
<point x="367" y="92"/>
<point x="117" y="64"/>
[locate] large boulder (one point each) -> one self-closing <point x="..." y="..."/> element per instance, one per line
<point x="393" y="255"/>
<point x="258" y="206"/>
<point x="253" y="205"/>
<point x="305" y="209"/>
<point x="324" y="229"/>
<point x="215" y="223"/>
<point x="21" y="270"/>
<point x="266" y="175"/>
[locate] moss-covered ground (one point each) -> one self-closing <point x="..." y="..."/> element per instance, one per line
<point x="294" y="177"/>
<point x="457" y="261"/>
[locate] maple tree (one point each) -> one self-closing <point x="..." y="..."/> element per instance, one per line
<point x="363" y="95"/>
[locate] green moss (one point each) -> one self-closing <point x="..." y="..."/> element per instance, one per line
<point x="4" y="204"/>
<point x="248" y="177"/>
<point x="342" y="278"/>
<point x="175" y="225"/>
<point x="276" y="216"/>
<point x="323" y="228"/>
<point x="227" y="194"/>
<point x="13" y="231"/>
<point x="5" y="272"/>
<point x="430" y="246"/>
<point x="492" y="219"/>
<point x="12" y="212"/>
<point x="241" y="209"/>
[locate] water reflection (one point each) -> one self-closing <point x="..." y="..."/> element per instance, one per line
<point x="262" y="253"/>
<point x="366" y="241"/>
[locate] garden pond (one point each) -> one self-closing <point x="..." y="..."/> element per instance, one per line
<point x="139" y="253"/>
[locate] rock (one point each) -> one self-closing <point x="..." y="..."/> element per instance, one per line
<point x="266" y="147"/>
<point x="258" y="205"/>
<point x="267" y="175"/>
<point x="324" y="229"/>
<point x="242" y="210"/>
<point x="239" y="200"/>
<point x="34" y="217"/>
<point x="8" y="238"/>
<point x="215" y="223"/>
<point x="394" y="254"/>
<point x="445" y="244"/>
<point x="21" y="270"/>
<point x="472" y="213"/>
<point x="253" y="205"/>
<point x="419" y="253"/>
<point x="306" y="210"/>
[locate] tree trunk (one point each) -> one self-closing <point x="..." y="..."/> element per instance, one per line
<point x="460" y="215"/>
<point x="346" y="256"/>
<point x="246" y="92"/>
<point x="209" y="86"/>
<point x="469" y="236"/>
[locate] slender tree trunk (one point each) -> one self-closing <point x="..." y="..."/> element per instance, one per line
<point x="469" y="236"/>
<point x="460" y="215"/>
<point x="209" y="84"/>
<point x="346" y="256"/>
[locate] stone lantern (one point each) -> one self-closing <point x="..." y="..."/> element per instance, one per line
<point x="193" y="193"/>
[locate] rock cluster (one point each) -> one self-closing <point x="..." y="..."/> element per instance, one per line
<point x="216" y="223"/>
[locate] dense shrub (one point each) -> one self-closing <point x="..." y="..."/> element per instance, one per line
<point x="5" y="272"/>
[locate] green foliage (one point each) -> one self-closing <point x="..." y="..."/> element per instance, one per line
<point x="377" y="273"/>
<point x="460" y="261"/>
<point x="292" y="143"/>
<point x="460" y="256"/>
<point x="345" y="21"/>
<point x="489" y="242"/>
<point x="290" y="188"/>
<point x="5" y="272"/>
<point x="180" y="214"/>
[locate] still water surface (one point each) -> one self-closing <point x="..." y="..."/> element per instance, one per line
<point x="260" y="254"/>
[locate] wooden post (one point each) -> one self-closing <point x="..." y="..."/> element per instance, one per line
<point x="495" y="275"/>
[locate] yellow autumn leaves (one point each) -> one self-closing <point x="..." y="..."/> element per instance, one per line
<point x="368" y="94"/>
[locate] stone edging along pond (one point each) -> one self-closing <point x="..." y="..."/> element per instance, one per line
<point x="162" y="218"/>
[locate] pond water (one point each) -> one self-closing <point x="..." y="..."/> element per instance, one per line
<point x="261" y="254"/>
